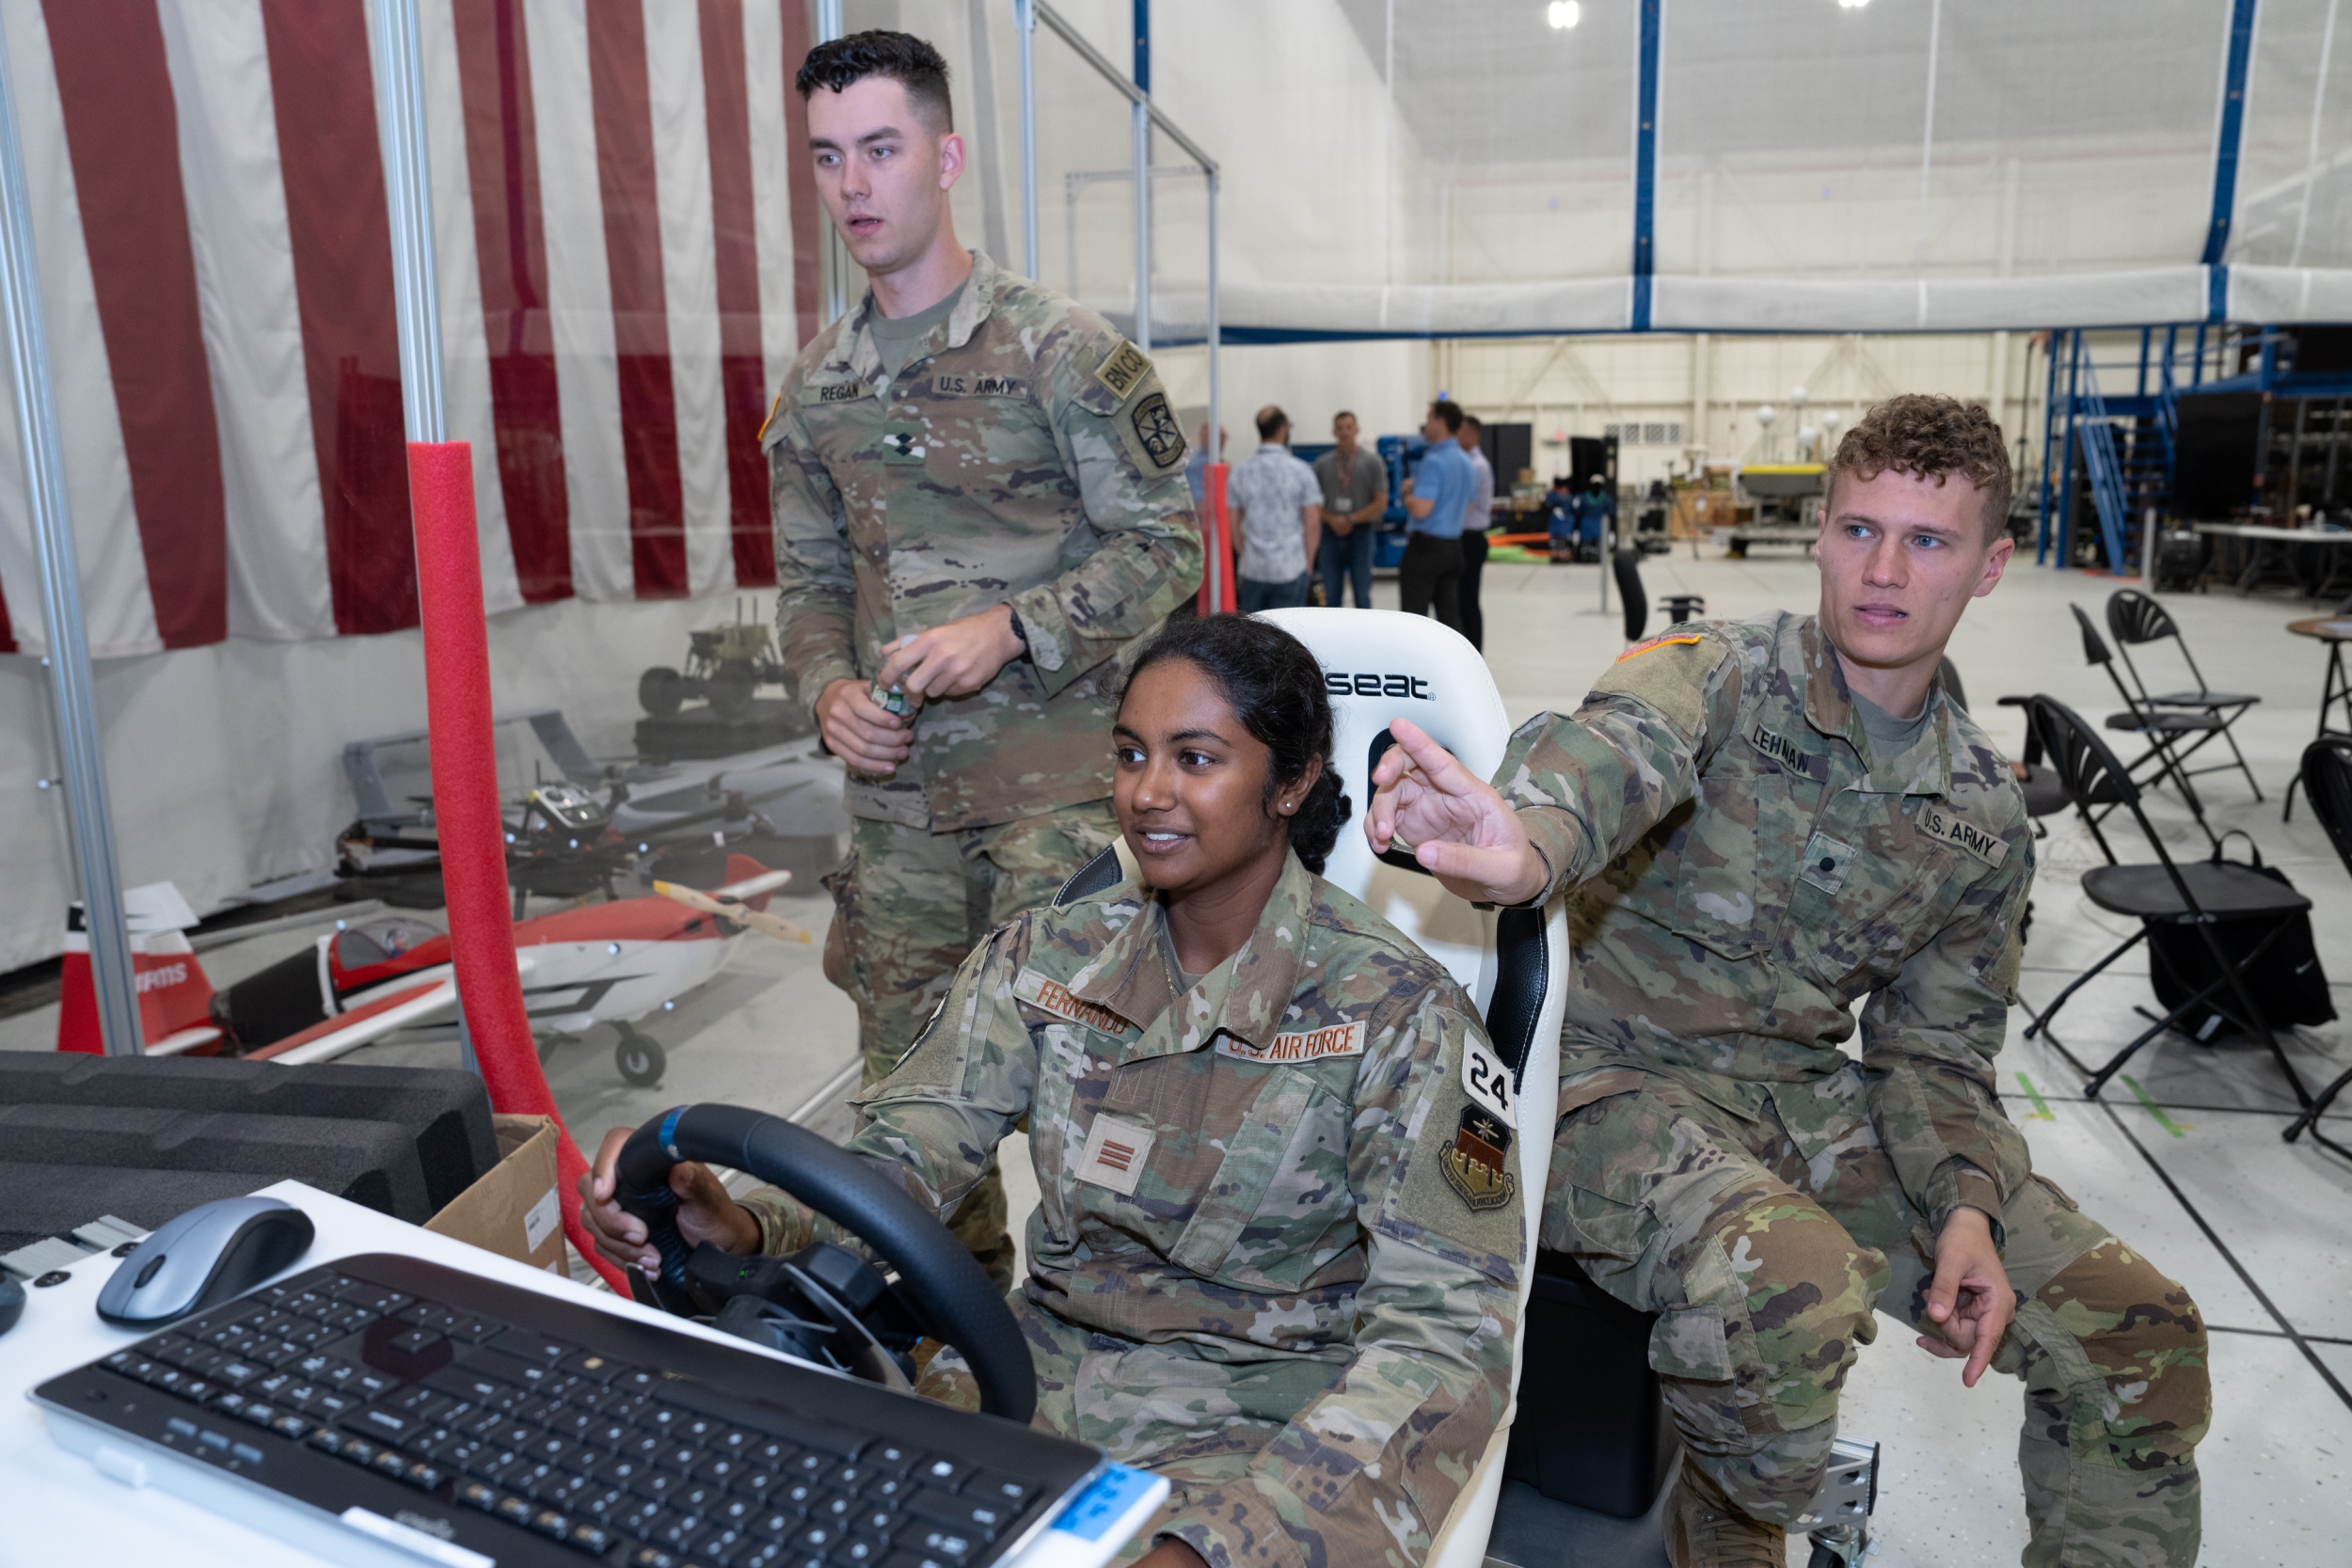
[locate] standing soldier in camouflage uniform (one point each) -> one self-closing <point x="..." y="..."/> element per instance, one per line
<point x="1278" y="1251"/>
<point x="979" y="504"/>
<point x="1757" y="839"/>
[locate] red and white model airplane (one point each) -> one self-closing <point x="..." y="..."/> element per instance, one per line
<point x="600" y="963"/>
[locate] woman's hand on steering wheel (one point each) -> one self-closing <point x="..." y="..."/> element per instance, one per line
<point x="704" y="1211"/>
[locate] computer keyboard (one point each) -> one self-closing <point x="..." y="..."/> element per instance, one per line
<point x="419" y="1405"/>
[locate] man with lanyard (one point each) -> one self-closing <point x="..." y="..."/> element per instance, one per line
<point x="1355" y="495"/>
<point x="979" y="504"/>
<point x="1430" y="576"/>
<point x="1762" y="823"/>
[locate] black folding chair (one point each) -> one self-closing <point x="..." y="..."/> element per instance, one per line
<point x="2162" y="728"/>
<point x="2137" y="620"/>
<point x="2044" y="795"/>
<point x="2201" y="895"/>
<point x="2327" y="776"/>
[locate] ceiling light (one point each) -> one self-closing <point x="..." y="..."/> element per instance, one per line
<point x="1852" y="5"/>
<point x="1563" y="14"/>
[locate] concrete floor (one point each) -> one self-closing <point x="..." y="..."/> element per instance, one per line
<point x="2261" y="1232"/>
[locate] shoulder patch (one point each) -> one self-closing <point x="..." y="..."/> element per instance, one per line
<point x="1477" y="1166"/>
<point x="1157" y="433"/>
<point x="1122" y="369"/>
<point x="1050" y="996"/>
<point x="1665" y="640"/>
<point x="1338" y="1039"/>
<point x="1937" y="823"/>
<point x="1669" y="673"/>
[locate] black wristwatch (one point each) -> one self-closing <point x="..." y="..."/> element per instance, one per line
<point x="1019" y="632"/>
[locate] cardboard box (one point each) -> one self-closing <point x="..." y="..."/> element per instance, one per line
<point x="513" y="1211"/>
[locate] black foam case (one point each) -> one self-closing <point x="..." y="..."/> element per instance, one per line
<point x="444" y="1113"/>
<point x="1591" y="1429"/>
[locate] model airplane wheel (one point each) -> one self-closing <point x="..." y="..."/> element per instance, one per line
<point x="640" y="1058"/>
<point x="660" y="692"/>
<point x="729" y="690"/>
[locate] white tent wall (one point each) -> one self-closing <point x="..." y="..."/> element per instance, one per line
<point x="1576" y="386"/>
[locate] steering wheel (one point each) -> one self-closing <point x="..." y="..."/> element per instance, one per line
<point x="938" y="1286"/>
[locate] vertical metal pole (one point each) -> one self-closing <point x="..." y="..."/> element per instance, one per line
<point x="2066" y="474"/>
<point x="1216" y="329"/>
<point x="836" y="254"/>
<point x="72" y="691"/>
<point x="1024" y="28"/>
<point x="2049" y="431"/>
<point x="1140" y="134"/>
<point x="408" y="195"/>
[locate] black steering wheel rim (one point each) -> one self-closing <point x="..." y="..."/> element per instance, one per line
<point x="942" y="1284"/>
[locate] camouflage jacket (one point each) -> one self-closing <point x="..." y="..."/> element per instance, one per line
<point x="1749" y="870"/>
<point x="1279" y="1182"/>
<point x="1026" y="452"/>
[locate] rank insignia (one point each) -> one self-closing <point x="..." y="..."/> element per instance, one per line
<point x="1477" y="1166"/>
<point x="1122" y="368"/>
<point x="1162" y="437"/>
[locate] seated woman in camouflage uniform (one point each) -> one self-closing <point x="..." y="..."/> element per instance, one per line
<point x="1253" y="1269"/>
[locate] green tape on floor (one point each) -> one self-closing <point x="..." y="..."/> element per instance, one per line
<point x="2041" y="1111"/>
<point x="2178" y="1129"/>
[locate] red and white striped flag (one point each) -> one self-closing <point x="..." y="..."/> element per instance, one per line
<point x="626" y="262"/>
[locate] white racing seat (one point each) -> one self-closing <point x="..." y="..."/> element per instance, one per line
<point x="1380" y="665"/>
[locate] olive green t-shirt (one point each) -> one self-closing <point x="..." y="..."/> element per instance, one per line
<point x="895" y="336"/>
<point x="1890" y="736"/>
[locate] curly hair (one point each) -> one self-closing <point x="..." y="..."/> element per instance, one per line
<point x="1275" y="688"/>
<point x="1929" y="438"/>
<point x="904" y="58"/>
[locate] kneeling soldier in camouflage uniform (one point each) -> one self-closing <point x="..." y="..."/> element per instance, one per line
<point x="979" y="505"/>
<point x="1278" y="1251"/>
<point x="1756" y="838"/>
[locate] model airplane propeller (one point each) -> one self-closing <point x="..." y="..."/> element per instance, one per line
<point x="731" y="904"/>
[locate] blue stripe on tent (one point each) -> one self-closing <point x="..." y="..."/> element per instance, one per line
<point x="1143" y="44"/>
<point x="1646" y="169"/>
<point x="2216" y="294"/>
<point x="2233" y="128"/>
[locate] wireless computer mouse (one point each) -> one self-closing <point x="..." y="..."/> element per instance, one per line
<point x="205" y="1256"/>
<point x="12" y="1303"/>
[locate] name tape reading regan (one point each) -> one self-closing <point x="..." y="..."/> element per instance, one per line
<point x="1337" y="1040"/>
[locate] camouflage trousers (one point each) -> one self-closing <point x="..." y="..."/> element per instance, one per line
<point x="908" y="907"/>
<point x="1199" y="1422"/>
<point x="1765" y="1271"/>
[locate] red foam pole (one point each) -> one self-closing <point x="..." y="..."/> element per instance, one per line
<point x="466" y="805"/>
<point x="1217" y="535"/>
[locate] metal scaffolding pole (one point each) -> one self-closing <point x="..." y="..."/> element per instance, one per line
<point x="837" y="265"/>
<point x="72" y="684"/>
<point x="408" y="197"/>
<point x="1024" y="28"/>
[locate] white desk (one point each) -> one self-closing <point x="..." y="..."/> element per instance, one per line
<point x="63" y="1510"/>
<point x="2264" y="544"/>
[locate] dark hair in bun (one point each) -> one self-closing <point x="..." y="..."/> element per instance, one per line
<point x="1275" y="688"/>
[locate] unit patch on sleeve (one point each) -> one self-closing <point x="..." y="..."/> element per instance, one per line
<point x="1488" y="1082"/>
<point x="1937" y="823"/>
<point x="1157" y="431"/>
<point x="1337" y="1039"/>
<point x="1122" y="368"/>
<point x="1478" y="1166"/>
<point x="1115" y="1154"/>
<point x="1052" y="997"/>
<point x="1668" y="641"/>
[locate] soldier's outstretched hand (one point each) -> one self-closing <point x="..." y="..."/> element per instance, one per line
<point x="1969" y="1301"/>
<point x="1457" y="825"/>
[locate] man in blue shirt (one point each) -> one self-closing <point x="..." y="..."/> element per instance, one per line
<point x="1430" y="576"/>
